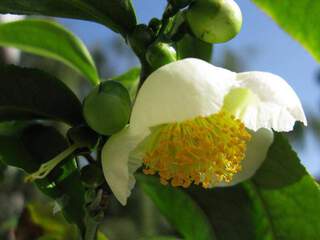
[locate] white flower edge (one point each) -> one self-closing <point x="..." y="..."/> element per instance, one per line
<point x="189" y="88"/>
<point x="117" y="168"/>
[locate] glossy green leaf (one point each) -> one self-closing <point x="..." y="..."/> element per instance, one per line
<point x="72" y="201"/>
<point x="49" y="39"/>
<point x="116" y="14"/>
<point x="288" y="197"/>
<point x="27" y="148"/>
<point x="190" y="46"/>
<point x="181" y="211"/>
<point x="130" y="80"/>
<point x="28" y="145"/>
<point x="299" y="18"/>
<point x="279" y="203"/>
<point x="43" y="143"/>
<point x="29" y="94"/>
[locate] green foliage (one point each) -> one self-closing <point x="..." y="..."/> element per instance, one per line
<point x="49" y="39"/>
<point x="139" y="40"/>
<point x="279" y="202"/>
<point x="29" y="94"/>
<point x="115" y="14"/>
<point x="159" y="238"/>
<point x="44" y="224"/>
<point x="299" y="18"/>
<point x="13" y="152"/>
<point x="37" y="221"/>
<point x="130" y="80"/>
<point x="71" y="199"/>
<point x="181" y="211"/>
<point x="286" y="195"/>
<point x="281" y="195"/>
<point x="190" y="46"/>
<point x="28" y="147"/>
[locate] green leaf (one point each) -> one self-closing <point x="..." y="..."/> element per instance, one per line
<point x="49" y="39"/>
<point x="72" y="201"/>
<point x="281" y="202"/>
<point x="288" y="197"/>
<point x="181" y="211"/>
<point x="299" y="18"/>
<point x="29" y="93"/>
<point x="116" y="14"/>
<point x="43" y="143"/>
<point x="190" y="46"/>
<point x="230" y="211"/>
<point x="130" y="80"/>
<point x="12" y="150"/>
<point x="27" y="148"/>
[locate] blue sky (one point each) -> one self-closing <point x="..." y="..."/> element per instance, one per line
<point x="261" y="44"/>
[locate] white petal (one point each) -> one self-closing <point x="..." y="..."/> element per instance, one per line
<point x="117" y="168"/>
<point x="179" y="91"/>
<point x="257" y="150"/>
<point x="278" y="107"/>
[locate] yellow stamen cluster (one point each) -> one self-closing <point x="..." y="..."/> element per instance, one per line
<point x="205" y="150"/>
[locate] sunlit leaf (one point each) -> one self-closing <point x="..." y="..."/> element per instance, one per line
<point x="130" y="80"/>
<point x="180" y="210"/>
<point x="299" y="18"/>
<point x="115" y="14"/>
<point x="279" y="203"/>
<point x="49" y="39"/>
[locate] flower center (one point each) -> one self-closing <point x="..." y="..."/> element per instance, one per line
<point x="205" y="150"/>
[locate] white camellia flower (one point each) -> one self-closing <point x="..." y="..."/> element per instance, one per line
<point x="194" y="123"/>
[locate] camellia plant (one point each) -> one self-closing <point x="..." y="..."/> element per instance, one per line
<point x="203" y="142"/>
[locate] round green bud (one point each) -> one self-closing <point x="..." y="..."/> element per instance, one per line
<point x="214" y="21"/>
<point x="91" y="176"/>
<point x="107" y="108"/>
<point x="159" y="54"/>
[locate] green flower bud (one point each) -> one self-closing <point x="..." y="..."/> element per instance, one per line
<point x="214" y="21"/>
<point x="92" y="176"/>
<point x="159" y="54"/>
<point x="107" y="108"/>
